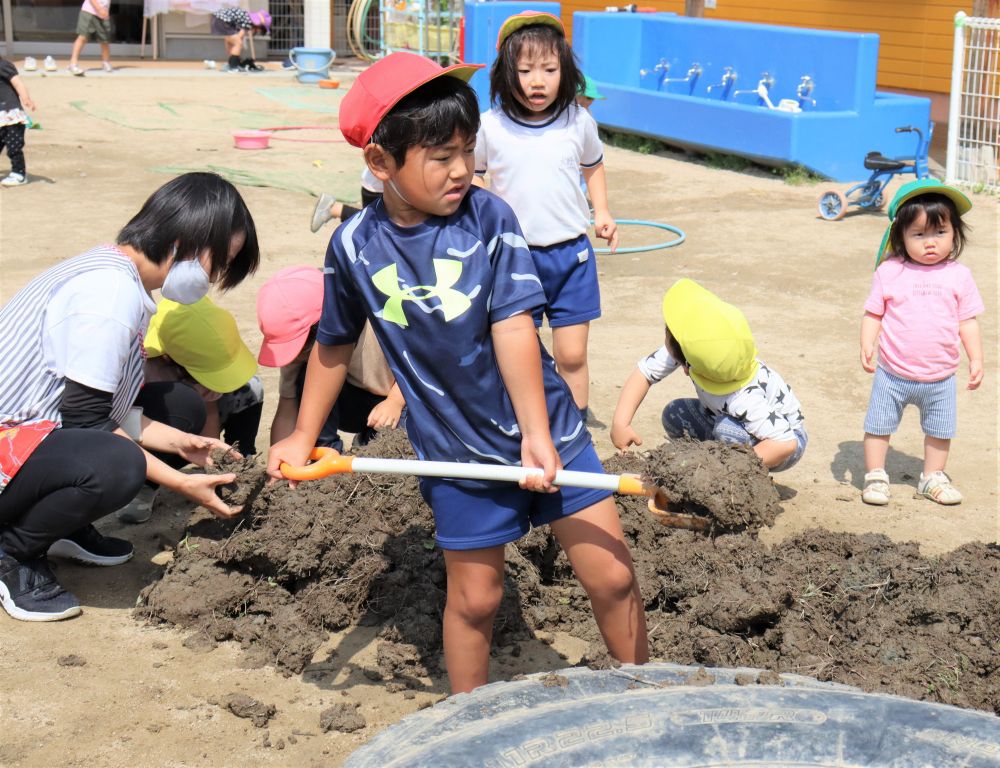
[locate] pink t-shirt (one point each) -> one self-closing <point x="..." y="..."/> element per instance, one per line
<point x="95" y="7"/>
<point x="921" y="307"/>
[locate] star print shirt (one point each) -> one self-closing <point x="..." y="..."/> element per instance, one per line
<point x="766" y="407"/>
<point x="432" y="292"/>
<point x="235" y="18"/>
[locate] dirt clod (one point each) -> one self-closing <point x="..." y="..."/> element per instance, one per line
<point x="247" y="707"/>
<point x="71" y="660"/>
<point x="342" y="717"/>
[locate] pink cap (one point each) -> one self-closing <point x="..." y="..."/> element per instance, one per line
<point x="380" y="87"/>
<point x="288" y="305"/>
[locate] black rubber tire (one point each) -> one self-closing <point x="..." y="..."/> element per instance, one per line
<point x="654" y="715"/>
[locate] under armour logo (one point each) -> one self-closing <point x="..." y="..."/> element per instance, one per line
<point x="452" y="302"/>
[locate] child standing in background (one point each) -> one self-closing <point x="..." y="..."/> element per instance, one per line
<point x="534" y="143"/>
<point x="13" y="121"/>
<point x="922" y="304"/>
<point x="93" y="23"/>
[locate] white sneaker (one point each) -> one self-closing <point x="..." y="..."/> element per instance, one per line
<point x="140" y="509"/>
<point x="106" y="66"/>
<point x="30" y="65"/>
<point x="321" y="213"/>
<point x="14" y="180"/>
<point x="50" y="64"/>
<point x="74" y="69"/>
<point x="876" y="490"/>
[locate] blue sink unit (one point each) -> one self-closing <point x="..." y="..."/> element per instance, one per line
<point x="706" y="85"/>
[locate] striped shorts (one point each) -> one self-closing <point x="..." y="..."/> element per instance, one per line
<point x="891" y="394"/>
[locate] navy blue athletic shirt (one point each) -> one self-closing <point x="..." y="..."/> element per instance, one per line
<point x="432" y="292"/>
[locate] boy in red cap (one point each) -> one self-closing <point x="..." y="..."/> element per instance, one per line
<point x="446" y="279"/>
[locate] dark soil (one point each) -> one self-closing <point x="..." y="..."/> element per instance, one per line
<point x="860" y="610"/>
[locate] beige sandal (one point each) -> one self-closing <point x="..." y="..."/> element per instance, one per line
<point x="876" y="490"/>
<point x="937" y="487"/>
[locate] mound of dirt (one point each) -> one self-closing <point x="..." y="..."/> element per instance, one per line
<point x="360" y="549"/>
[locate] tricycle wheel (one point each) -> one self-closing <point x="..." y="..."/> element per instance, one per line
<point x="832" y="205"/>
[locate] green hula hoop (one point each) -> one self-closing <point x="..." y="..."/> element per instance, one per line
<point x="681" y="237"/>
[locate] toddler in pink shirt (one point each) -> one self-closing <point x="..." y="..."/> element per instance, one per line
<point x="922" y="304"/>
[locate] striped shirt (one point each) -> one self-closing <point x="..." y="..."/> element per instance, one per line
<point x="35" y="366"/>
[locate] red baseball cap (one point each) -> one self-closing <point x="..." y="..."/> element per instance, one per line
<point x="288" y="305"/>
<point x="527" y="18"/>
<point x="380" y="87"/>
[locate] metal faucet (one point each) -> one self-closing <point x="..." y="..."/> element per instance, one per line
<point x="804" y="89"/>
<point x="728" y="78"/>
<point x="763" y="89"/>
<point x="661" y="68"/>
<point x="692" y="74"/>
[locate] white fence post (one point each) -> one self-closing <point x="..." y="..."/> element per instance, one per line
<point x="954" y="105"/>
<point x="974" y="112"/>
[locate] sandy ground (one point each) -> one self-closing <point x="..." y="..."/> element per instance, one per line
<point x="140" y="695"/>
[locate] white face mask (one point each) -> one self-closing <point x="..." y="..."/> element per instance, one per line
<point x="187" y="282"/>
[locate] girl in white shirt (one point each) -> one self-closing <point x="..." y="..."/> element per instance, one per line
<point x="534" y="143"/>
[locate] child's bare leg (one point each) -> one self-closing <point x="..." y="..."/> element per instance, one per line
<point x="78" y="44"/>
<point x="475" y="588"/>
<point x="595" y="544"/>
<point x="876" y="449"/>
<point x="569" y="348"/>
<point x="105" y="52"/>
<point x="935" y="454"/>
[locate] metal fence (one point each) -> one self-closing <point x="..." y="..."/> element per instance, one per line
<point x="974" y="119"/>
<point x="287" y="26"/>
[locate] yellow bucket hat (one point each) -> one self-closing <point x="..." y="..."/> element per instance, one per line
<point x="204" y="340"/>
<point x="713" y="335"/>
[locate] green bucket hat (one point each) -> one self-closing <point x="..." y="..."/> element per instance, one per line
<point x="590" y="89"/>
<point x="915" y="189"/>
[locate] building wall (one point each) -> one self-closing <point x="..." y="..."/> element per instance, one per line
<point x="915" y="35"/>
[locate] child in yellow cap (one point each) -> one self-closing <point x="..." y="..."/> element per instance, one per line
<point x="200" y="377"/>
<point x="740" y="399"/>
<point x="199" y="345"/>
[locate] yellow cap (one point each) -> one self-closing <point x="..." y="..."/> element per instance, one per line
<point x="713" y="335"/>
<point x="203" y="339"/>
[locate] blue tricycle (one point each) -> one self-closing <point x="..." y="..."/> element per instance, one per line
<point x="869" y="195"/>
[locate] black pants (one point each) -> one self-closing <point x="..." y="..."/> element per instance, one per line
<point x="175" y="404"/>
<point x="367" y="198"/>
<point x="12" y="137"/>
<point x="349" y="413"/>
<point x="74" y="477"/>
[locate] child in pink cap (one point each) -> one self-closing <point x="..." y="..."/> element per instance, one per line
<point x="288" y="310"/>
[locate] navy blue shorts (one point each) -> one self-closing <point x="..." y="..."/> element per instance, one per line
<point x="569" y="276"/>
<point x="476" y="518"/>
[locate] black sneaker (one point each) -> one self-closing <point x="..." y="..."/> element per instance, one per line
<point x="90" y="547"/>
<point x="29" y="591"/>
